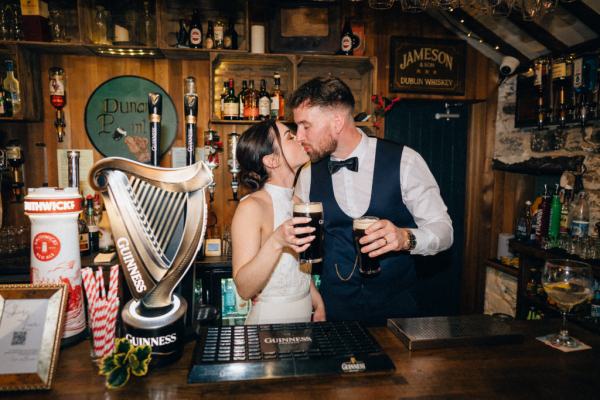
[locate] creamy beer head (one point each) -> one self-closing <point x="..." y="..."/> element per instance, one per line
<point x="308" y="208"/>
<point x="363" y="222"/>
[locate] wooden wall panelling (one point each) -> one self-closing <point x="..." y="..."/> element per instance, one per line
<point x="480" y="191"/>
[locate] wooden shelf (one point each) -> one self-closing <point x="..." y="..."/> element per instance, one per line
<point x="496" y="264"/>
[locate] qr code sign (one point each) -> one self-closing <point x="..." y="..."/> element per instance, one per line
<point x="19" y="338"/>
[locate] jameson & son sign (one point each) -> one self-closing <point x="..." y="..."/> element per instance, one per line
<point x="434" y="66"/>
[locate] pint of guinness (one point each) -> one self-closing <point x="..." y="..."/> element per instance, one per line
<point x="314" y="253"/>
<point x="366" y="265"/>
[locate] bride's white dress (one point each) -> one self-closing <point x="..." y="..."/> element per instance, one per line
<point x="286" y="297"/>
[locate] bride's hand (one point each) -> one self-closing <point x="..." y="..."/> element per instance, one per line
<point x="287" y="234"/>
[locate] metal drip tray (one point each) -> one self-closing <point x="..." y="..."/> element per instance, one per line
<point x="436" y="332"/>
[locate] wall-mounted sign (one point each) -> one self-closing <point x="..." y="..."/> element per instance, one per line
<point x="116" y="118"/>
<point x="433" y="66"/>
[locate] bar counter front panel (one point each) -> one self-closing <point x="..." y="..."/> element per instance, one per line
<point x="529" y="370"/>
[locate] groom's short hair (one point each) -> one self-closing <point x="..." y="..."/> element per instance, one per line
<point x="324" y="92"/>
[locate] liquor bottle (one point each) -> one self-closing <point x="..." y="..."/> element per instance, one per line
<point x="523" y="231"/>
<point x="543" y="216"/>
<point x="264" y="102"/>
<point x="241" y="95"/>
<point x="58" y="98"/>
<point x="564" y="209"/>
<point x="195" y="30"/>
<point x="219" y="33"/>
<point x="190" y="107"/>
<point x="92" y="226"/>
<point x="251" y="103"/>
<point x="224" y="94"/>
<point x="183" y="36"/>
<point x="11" y="84"/>
<point x="540" y="84"/>
<point x="230" y="104"/>
<point x="230" y="38"/>
<point x="84" y="236"/>
<point x="348" y="40"/>
<point x="6" y="109"/>
<point x="155" y="111"/>
<point x="209" y="40"/>
<point x="561" y="90"/>
<point x="277" y="99"/>
<point x="580" y="217"/>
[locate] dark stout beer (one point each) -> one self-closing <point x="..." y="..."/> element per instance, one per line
<point x="314" y="253"/>
<point x="366" y="265"/>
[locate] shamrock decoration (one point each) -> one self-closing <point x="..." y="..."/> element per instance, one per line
<point x="126" y="359"/>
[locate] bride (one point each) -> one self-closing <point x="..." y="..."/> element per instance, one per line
<point x="264" y="239"/>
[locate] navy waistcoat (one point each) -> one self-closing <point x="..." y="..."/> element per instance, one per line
<point x="368" y="299"/>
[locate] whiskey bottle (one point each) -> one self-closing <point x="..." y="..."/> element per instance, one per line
<point x="251" y="103"/>
<point x="241" y="95"/>
<point x="348" y="39"/>
<point x="230" y="38"/>
<point x="224" y="94"/>
<point x="196" y="30"/>
<point x="277" y="99"/>
<point x="264" y="102"/>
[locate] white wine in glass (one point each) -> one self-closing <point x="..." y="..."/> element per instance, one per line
<point x="567" y="283"/>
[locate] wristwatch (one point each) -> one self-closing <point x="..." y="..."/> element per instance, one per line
<point x="412" y="240"/>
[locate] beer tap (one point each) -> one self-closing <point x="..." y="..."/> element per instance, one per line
<point x="190" y="105"/>
<point x="155" y="111"/>
<point x="234" y="165"/>
<point x="212" y="147"/>
<point x="58" y="98"/>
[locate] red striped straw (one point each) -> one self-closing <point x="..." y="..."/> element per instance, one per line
<point x="112" y="308"/>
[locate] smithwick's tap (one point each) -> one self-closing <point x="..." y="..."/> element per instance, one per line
<point x="234" y="165"/>
<point x="58" y="98"/>
<point x="155" y="111"/>
<point x="190" y="105"/>
<point x="212" y="147"/>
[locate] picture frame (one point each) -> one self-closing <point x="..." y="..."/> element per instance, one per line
<point x="427" y="65"/>
<point x="31" y="326"/>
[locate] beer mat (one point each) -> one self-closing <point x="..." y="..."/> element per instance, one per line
<point x="579" y="344"/>
<point x="104" y="257"/>
<point x="439" y="332"/>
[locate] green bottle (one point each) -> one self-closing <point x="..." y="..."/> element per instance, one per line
<point x="555" y="208"/>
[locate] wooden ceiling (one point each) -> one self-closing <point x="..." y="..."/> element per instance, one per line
<point x="570" y="28"/>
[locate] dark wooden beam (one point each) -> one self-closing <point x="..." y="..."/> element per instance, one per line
<point x="590" y="45"/>
<point x="584" y="13"/>
<point x="486" y="34"/>
<point x="538" y="33"/>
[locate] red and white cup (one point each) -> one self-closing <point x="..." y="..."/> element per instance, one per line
<point x="55" y="257"/>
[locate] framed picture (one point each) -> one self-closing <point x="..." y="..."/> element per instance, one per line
<point x="428" y="66"/>
<point x="31" y="323"/>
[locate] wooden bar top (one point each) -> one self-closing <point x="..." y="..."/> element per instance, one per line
<point x="529" y="370"/>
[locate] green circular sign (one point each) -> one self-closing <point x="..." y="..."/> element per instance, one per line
<point x="117" y="122"/>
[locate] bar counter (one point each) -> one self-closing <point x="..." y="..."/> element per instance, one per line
<point x="527" y="370"/>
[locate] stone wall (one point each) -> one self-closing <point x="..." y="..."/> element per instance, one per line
<point x="513" y="145"/>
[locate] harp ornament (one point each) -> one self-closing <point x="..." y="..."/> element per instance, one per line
<point x="158" y="221"/>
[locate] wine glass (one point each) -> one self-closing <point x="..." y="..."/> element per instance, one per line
<point x="568" y="283"/>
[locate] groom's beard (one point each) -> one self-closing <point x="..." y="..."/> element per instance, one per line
<point x="326" y="147"/>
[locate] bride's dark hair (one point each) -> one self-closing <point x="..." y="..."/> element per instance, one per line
<point x="255" y="143"/>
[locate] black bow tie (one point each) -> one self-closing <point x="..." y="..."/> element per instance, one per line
<point x="350" y="163"/>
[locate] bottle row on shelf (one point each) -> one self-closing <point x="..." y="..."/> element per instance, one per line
<point x="560" y="91"/>
<point x="252" y="104"/>
<point x="10" y="92"/>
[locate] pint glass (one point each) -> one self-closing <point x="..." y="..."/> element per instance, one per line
<point x="366" y="265"/>
<point x="314" y="253"/>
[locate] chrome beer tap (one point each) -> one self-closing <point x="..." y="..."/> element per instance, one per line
<point x="234" y="165"/>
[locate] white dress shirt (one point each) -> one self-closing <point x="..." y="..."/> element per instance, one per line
<point x="420" y="194"/>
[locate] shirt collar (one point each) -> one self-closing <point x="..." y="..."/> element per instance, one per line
<point x="360" y="150"/>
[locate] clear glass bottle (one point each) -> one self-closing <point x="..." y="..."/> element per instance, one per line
<point x="209" y="39"/>
<point x="147" y="26"/>
<point x="219" y="34"/>
<point x="11" y="84"/>
<point x="100" y="27"/>
<point x="251" y="103"/>
<point x="580" y="217"/>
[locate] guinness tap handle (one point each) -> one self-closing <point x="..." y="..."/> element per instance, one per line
<point x="155" y="111"/>
<point x="190" y="105"/>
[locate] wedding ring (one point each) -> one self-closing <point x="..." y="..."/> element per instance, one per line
<point x="384" y="241"/>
